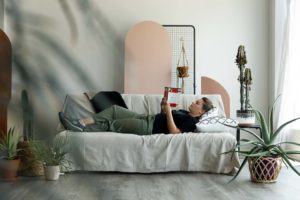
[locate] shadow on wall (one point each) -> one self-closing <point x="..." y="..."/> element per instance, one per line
<point x="39" y="58"/>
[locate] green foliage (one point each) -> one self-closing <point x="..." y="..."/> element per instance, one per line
<point x="8" y="145"/>
<point x="266" y="145"/>
<point x="27" y="117"/>
<point x="52" y="153"/>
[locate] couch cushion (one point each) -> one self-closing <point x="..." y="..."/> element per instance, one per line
<point x="150" y="104"/>
<point x="76" y="106"/>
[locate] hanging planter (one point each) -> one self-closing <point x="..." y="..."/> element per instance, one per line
<point x="182" y="67"/>
<point x="183" y="71"/>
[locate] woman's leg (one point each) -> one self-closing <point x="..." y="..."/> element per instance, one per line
<point x="141" y="126"/>
<point x="110" y="119"/>
<point x="117" y="112"/>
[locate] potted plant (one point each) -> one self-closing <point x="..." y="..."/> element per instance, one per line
<point x="266" y="154"/>
<point x="29" y="165"/>
<point x="9" y="162"/>
<point x="245" y="115"/>
<point x="53" y="155"/>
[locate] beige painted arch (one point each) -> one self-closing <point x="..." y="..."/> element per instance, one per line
<point x="148" y="59"/>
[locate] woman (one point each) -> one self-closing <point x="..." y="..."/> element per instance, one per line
<point x="122" y="120"/>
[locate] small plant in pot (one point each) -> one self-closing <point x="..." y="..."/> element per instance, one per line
<point x="9" y="162"/>
<point x="266" y="154"/>
<point x="53" y="155"/>
<point x="245" y="116"/>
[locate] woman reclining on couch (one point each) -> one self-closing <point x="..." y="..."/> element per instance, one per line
<point x="122" y="120"/>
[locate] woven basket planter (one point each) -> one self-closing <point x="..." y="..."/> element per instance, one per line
<point x="265" y="169"/>
<point x="29" y="165"/>
<point x="183" y="72"/>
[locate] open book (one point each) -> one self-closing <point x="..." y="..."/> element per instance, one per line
<point x="172" y="95"/>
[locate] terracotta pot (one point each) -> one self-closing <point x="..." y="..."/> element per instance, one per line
<point x="52" y="172"/>
<point x="9" y="169"/>
<point x="265" y="169"/>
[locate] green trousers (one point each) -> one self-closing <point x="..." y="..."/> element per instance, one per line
<point x="121" y="120"/>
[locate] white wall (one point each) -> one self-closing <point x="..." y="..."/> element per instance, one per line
<point x="221" y="26"/>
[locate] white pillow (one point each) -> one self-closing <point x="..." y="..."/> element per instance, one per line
<point x="215" y="124"/>
<point x="214" y="112"/>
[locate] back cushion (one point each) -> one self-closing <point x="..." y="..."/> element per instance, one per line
<point x="76" y="106"/>
<point x="143" y="104"/>
<point x="150" y="104"/>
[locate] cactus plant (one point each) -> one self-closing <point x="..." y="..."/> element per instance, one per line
<point x="241" y="60"/>
<point x="27" y="117"/>
<point x="247" y="82"/>
<point x="245" y="115"/>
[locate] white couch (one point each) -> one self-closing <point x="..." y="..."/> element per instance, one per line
<point x="107" y="151"/>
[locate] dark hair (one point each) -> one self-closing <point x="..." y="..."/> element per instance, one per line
<point x="207" y="104"/>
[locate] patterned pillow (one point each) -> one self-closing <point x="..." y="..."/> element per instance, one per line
<point x="215" y="124"/>
<point x="214" y="112"/>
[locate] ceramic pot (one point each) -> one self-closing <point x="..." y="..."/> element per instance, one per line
<point x="52" y="172"/>
<point x="245" y="117"/>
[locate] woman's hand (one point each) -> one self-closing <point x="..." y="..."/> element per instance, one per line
<point x="165" y="107"/>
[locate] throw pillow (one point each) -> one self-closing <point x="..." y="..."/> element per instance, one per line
<point x="215" y="124"/>
<point x="214" y="112"/>
<point x="105" y="99"/>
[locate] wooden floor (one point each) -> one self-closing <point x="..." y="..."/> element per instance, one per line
<point x="165" y="186"/>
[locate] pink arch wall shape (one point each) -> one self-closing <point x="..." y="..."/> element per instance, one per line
<point x="210" y="86"/>
<point x="148" y="59"/>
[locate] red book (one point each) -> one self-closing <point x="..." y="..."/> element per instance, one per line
<point x="172" y="95"/>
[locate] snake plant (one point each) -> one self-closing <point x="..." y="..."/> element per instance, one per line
<point x="8" y="145"/>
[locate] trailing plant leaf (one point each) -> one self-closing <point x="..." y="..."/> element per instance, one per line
<point x="70" y="19"/>
<point x="281" y="127"/>
<point x="242" y="165"/>
<point x="263" y="126"/>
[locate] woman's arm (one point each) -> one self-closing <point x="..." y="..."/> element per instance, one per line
<point x="172" y="128"/>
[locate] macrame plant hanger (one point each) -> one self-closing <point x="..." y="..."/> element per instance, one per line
<point x="182" y="70"/>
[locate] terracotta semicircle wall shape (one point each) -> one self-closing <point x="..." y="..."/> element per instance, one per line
<point x="148" y="59"/>
<point x="5" y="79"/>
<point x="210" y="86"/>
